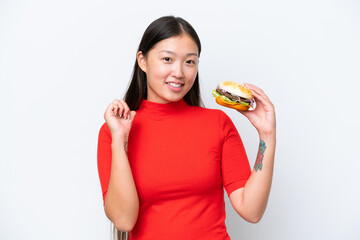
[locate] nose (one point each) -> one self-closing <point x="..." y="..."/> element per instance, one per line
<point x="177" y="71"/>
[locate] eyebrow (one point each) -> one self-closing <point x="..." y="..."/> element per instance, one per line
<point x="189" y="54"/>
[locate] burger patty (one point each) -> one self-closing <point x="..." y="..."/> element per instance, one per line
<point x="232" y="97"/>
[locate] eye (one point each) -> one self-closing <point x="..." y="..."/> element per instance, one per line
<point x="190" y="62"/>
<point x="167" y="59"/>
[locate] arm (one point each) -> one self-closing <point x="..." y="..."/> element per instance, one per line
<point x="251" y="200"/>
<point x="121" y="201"/>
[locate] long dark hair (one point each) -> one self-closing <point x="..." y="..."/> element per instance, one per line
<point x="160" y="29"/>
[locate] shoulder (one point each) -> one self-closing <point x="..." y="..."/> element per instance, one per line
<point x="208" y="111"/>
<point x="223" y="121"/>
<point x="217" y="121"/>
<point x="214" y="114"/>
<point x="214" y="118"/>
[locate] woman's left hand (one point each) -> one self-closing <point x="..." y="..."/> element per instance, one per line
<point x="263" y="117"/>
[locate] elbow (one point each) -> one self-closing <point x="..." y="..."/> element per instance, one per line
<point x="124" y="227"/>
<point x="253" y="220"/>
<point x="123" y="221"/>
<point x="250" y="217"/>
<point x="124" y="224"/>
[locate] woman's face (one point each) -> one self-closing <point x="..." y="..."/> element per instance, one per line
<point x="171" y="67"/>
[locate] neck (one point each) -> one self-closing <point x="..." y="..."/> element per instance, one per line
<point x="162" y="110"/>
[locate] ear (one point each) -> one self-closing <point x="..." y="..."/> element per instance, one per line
<point x="141" y="59"/>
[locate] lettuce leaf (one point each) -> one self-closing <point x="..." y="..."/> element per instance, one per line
<point x="226" y="99"/>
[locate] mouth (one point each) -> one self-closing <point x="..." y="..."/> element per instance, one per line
<point x="175" y="85"/>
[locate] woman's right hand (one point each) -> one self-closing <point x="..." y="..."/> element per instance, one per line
<point x="119" y="118"/>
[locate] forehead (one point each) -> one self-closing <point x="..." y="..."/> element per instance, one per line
<point x="182" y="43"/>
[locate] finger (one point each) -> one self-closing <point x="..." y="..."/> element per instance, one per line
<point x="110" y="110"/>
<point x="126" y="109"/>
<point x="115" y="108"/>
<point x="258" y="90"/>
<point x="132" y="115"/>
<point x="245" y="113"/>
<point x="248" y="113"/>
<point x="260" y="94"/>
<point x="252" y="87"/>
<point x="123" y="108"/>
<point x="119" y="108"/>
<point x="261" y="99"/>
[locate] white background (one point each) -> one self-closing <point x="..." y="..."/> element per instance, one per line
<point x="63" y="62"/>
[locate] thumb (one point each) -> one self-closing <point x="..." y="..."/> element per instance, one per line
<point x="132" y="115"/>
<point x="245" y="113"/>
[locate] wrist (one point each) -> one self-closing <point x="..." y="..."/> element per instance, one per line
<point x="119" y="143"/>
<point x="119" y="137"/>
<point x="268" y="136"/>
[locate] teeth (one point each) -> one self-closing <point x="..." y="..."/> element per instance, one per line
<point x="174" y="85"/>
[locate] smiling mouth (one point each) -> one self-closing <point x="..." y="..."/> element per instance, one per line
<point x="177" y="85"/>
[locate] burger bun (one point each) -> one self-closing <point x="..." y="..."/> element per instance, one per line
<point x="239" y="107"/>
<point x="236" y="88"/>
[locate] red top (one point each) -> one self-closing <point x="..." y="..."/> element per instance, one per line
<point x="181" y="157"/>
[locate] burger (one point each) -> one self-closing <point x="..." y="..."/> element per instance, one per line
<point x="234" y="95"/>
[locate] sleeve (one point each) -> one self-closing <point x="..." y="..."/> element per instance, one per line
<point x="104" y="158"/>
<point x="235" y="165"/>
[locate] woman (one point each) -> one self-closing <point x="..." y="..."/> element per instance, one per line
<point x="164" y="160"/>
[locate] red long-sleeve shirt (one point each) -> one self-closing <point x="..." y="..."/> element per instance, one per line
<point x="181" y="157"/>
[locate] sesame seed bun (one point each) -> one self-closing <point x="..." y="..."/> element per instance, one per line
<point x="236" y="88"/>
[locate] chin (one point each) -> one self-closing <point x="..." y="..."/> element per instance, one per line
<point x="174" y="98"/>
